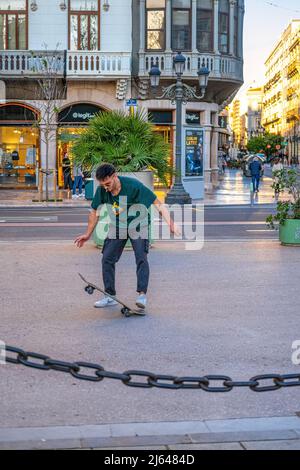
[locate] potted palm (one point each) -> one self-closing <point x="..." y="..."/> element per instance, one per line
<point x="287" y="216"/>
<point x="130" y="143"/>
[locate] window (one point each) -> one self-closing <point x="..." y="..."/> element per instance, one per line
<point x="224" y="26"/>
<point x="13" y="24"/>
<point x="181" y="25"/>
<point x="84" y="25"/>
<point x="155" y="16"/>
<point x="205" y="25"/>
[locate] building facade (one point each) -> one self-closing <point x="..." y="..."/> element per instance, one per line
<point x="281" y="109"/>
<point x="103" y="51"/>
<point x="254" y="97"/>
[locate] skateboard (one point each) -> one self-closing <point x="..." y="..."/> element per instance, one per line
<point x="125" y="310"/>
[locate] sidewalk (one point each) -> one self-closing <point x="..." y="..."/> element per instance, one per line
<point x="234" y="190"/>
<point x="235" y="434"/>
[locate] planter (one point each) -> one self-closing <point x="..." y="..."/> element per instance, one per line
<point x="289" y="233"/>
<point x="101" y="230"/>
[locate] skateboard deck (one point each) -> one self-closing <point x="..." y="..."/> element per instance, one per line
<point x="125" y="310"/>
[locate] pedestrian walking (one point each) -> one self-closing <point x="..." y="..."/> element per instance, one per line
<point x="124" y="198"/>
<point x="278" y="166"/>
<point x="255" y="169"/>
<point x="78" y="182"/>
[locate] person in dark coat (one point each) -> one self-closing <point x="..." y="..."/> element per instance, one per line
<point x="255" y="169"/>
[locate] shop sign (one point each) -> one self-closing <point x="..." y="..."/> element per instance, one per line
<point x="78" y="113"/>
<point x="192" y="117"/>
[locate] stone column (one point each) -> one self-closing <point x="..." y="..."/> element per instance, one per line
<point x="214" y="157"/>
<point x="207" y="151"/>
<point x="168" y="26"/>
<point x="194" y="26"/>
<point x="231" y="26"/>
<point x="241" y="12"/>
<point x="142" y="36"/>
<point x="216" y="26"/>
<point x="142" y="25"/>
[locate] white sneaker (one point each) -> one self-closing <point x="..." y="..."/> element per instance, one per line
<point x="81" y="196"/>
<point x="75" y="196"/>
<point x="105" y="302"/>
<point x="141" y="301"/>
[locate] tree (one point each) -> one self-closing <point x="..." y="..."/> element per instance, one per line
<point x="261" y="143"/>
<point x="50" y="91"/>
<point x="129" y="142"/>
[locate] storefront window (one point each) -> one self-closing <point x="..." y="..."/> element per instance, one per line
<point x="224" y="26"/>
<point x="181" y="25"/>
<point x="72" y="122"/>
<point x="19" y="147"/>
<point x="155" y="36"/>
<point x="84" y="25"/>
<point x="205" y="19"/>
<point x="13" y="25"/>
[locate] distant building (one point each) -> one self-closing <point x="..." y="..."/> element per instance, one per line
<point x="254" y="112"/>
<point x="281" y="109"/>
<point x="105" y="52"/>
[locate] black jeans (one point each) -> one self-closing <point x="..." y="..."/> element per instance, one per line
<point x="68" y="182"/>
<point x="112" y="251"/>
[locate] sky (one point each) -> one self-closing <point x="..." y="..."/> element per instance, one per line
<point x="263" y="26"/>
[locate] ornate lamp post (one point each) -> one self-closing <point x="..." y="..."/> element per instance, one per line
<point x="179" y="93"/>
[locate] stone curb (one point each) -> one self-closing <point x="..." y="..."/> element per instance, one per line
<point x="153" y="435"/>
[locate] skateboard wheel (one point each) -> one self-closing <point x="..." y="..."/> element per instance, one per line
<point x="89" y="290"/>
<point x="125" y="312"/>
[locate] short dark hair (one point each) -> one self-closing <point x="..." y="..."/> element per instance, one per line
<point x="105" y="170"/>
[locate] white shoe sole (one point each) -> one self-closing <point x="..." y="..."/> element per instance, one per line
<point x="107" y="305"/>
<point x="142" y="306"/>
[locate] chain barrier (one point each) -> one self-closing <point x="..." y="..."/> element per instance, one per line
<point x="143" y="379"/>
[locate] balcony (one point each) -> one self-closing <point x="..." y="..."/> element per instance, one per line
<point x="220" y="67"/>
<point x="81" y="64"/>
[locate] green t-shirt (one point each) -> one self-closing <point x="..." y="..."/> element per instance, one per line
<point x="132" y="203"/>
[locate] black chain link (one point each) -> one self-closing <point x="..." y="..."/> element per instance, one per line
<point x="143" y="379"/>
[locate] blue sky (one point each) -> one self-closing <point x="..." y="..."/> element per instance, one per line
<point x="263" y="26"/>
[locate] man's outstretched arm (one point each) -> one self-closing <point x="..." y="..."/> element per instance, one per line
<point x="162" y="209"/>
<point x="93" y="220"/>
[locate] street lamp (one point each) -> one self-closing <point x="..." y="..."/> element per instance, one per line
<point x="179" y="93"/>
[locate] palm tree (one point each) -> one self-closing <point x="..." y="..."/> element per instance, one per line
<point x="127" y="141"/>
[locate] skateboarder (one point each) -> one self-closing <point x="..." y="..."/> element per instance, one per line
<point x="121" y="194"/>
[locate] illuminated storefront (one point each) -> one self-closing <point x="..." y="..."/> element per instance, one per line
<point x="163" y="125"/>
<point x="19" y="147"/>
<point x="72" y="121"/>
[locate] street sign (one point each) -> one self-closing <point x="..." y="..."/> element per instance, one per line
<point x="131" y="102"/>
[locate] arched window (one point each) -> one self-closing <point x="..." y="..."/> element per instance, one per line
<point x="181" y="25"/>
<point x="205" y="25"/>
<point x="155" y="18"/>
<point x="224" y="26"/>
